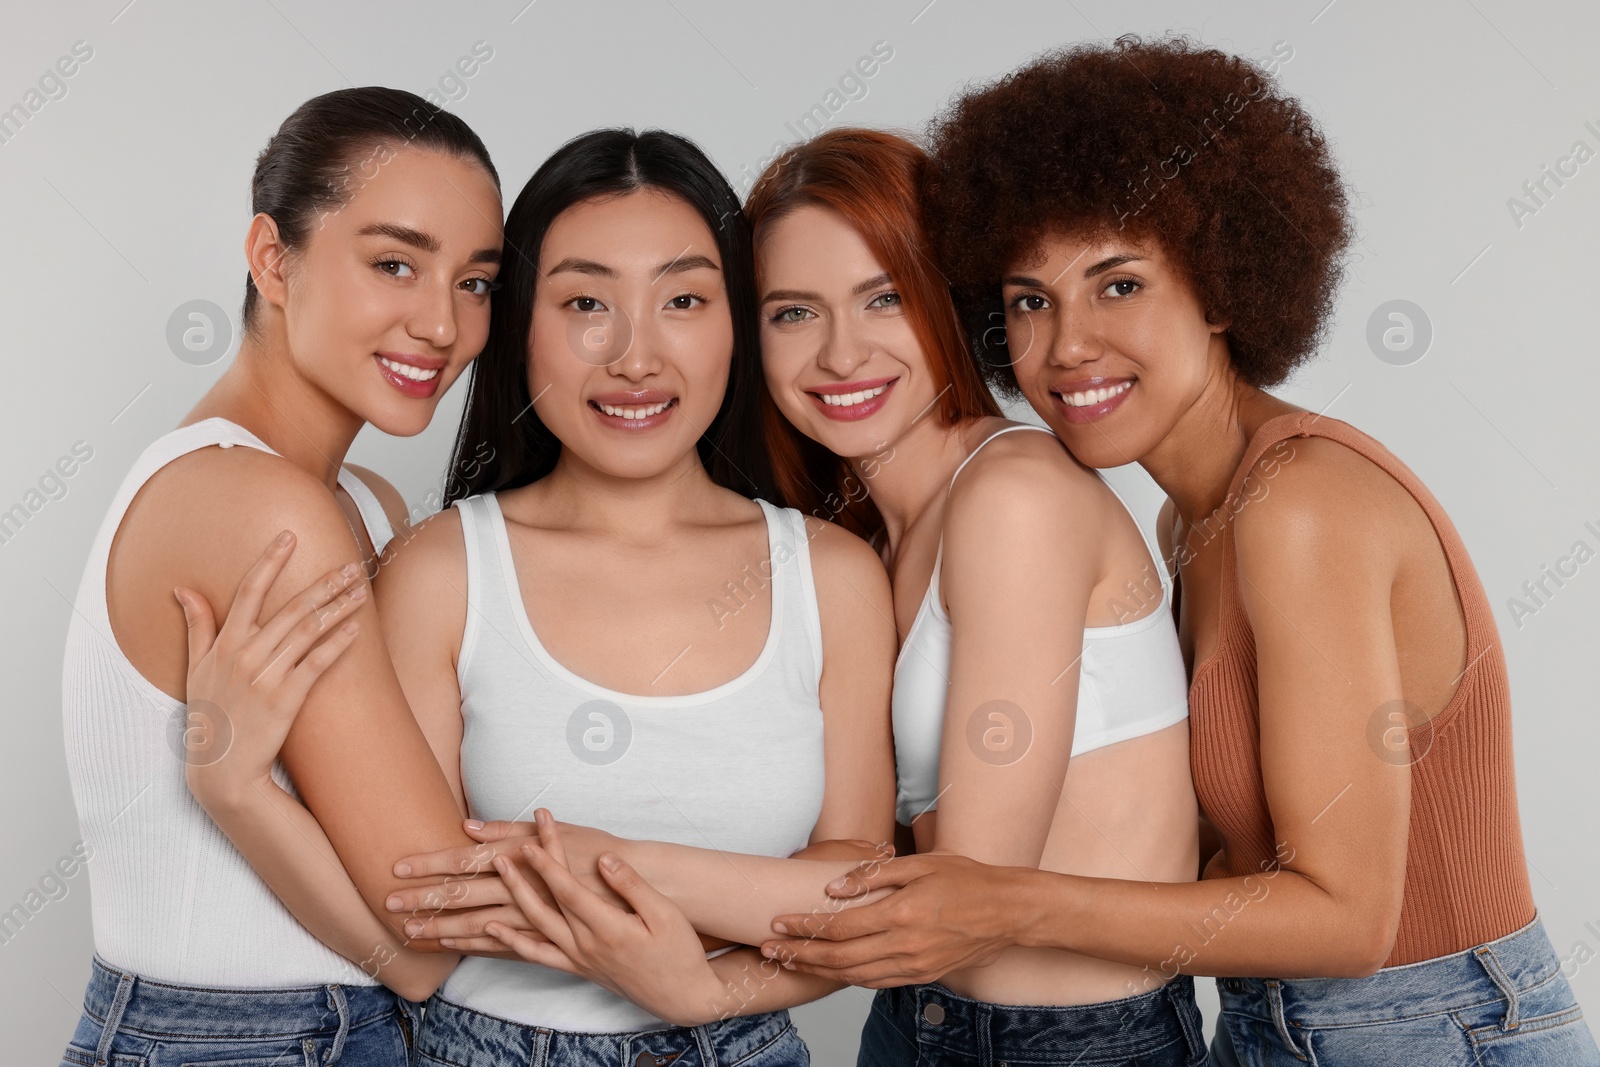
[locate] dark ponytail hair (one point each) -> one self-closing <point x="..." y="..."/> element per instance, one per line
<point x="502" y="443"/>
<point x="323" y="152"/>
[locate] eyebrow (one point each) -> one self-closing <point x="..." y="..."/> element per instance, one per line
<point x="804" y="294"/>
<point x="425" y="241"/>
<point x="1109" y="263"/>
<point x="589" y="266"/>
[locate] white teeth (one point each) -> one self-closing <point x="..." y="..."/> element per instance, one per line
<point x="405" y="370"/>
<point x="633" y="413"/>
<point x="1095" y="396"/>
<point x="844" y="400"/>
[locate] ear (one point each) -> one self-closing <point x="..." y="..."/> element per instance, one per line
<point x="264" y="252"/>
<point x="1217" y="324"/>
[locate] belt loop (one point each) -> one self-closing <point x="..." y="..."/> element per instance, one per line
<point x="1498" y="976"/>
<point x="1275" y="1000"/>
<point x="702" y="1037"/>
<point x="1192" y="1029"/>
<point x="341" y="1004"/>
<point x="119" y="1004"/>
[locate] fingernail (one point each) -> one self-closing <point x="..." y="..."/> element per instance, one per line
<point x="501" y="863"/>
<point x="394" y="902"/>
<point x="349" y="570"/>
<point x="352" y="627"/>
<point x="788" y="966"/>
<point x="358" y="593"/>
<point x="838" y="884"/>
<point x="179" y="597"/>
<point x="448" y="942"/>
<point x="474" y="824"/>
<point x="402" y="870"/>
<point x="285" y="537"/>
<point x="769" y="952"/>
<point x="782" y="929"/>
<point x="611" y="861"/>
<point x="413" y="927"/>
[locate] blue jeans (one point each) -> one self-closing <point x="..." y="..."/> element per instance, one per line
<point x="929" y="1026"/>
<point x="129" y="1021"/>
<point x="460" y="1037"/>
<point x="1504" y="1003"/>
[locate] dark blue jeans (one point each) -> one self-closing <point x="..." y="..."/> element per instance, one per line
<point x="929" y="1026"/>
<point x="455" y="1036"/>
<point x="1503" y="1003"/>
<point x="129" y="1021"/>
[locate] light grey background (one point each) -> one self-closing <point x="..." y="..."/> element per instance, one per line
<point x="128" y="196"/>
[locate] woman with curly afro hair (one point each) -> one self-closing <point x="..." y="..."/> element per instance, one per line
<point x="1143" y="237"/>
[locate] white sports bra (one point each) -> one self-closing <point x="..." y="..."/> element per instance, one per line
<point x="1131" y="681"/>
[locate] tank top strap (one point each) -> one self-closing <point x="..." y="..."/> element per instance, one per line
<point x="1482" y="636"/>
<point x="370" y="508"/>
<point x="938" y="555"/>
<point x="794" y="595"/>
<point x="489" y="574"/>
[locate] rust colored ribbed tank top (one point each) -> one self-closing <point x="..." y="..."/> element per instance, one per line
<point x="1466" y="879"/>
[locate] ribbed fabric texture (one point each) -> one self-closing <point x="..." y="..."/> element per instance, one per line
<point x="1466" y="878"/>
<point x="171" y="897"/>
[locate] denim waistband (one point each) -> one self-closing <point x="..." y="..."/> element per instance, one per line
<point x="130" y="1003"/>
<point x="1517" y="962"/>
<point x="458" y="1034"/>
<point x="1113" y="1029"/>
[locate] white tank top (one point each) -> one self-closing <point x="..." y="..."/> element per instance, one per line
<point x="1131" y="681"/>
<point x="737" y="768"/>
<point x="171" y="897"/>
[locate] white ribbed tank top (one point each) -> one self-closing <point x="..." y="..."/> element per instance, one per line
<point x="1131" y="680"/>
<point x="737" y="767"/>
<point x="171" y="897"/>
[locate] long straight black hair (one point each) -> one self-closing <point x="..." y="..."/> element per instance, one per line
<point x="502" y="443"/>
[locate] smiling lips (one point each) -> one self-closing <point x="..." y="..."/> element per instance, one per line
<point x="849" y="401"/>
<point x="642" y="410"/>
<point x="415" y="376"/>
<point x="1087" y="401"/>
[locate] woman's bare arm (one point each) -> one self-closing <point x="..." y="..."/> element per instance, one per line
<point x="355" y="753"/>
<point x="1316" y="566"/>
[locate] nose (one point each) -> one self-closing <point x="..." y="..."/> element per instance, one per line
<point x="640" y="344"/>
<point x="433" y="320"/>
<point x="1074" y="341"/>
<point x="843" y="350"/>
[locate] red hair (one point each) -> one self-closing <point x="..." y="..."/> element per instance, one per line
<point x="871" y="179"/>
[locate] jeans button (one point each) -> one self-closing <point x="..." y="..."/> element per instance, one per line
<point x="933" y="1012"/>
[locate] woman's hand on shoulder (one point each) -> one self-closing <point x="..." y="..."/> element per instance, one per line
<point x="247" y="680"/>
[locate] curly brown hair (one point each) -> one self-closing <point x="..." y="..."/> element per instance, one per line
<point x="1156" y="139"/>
